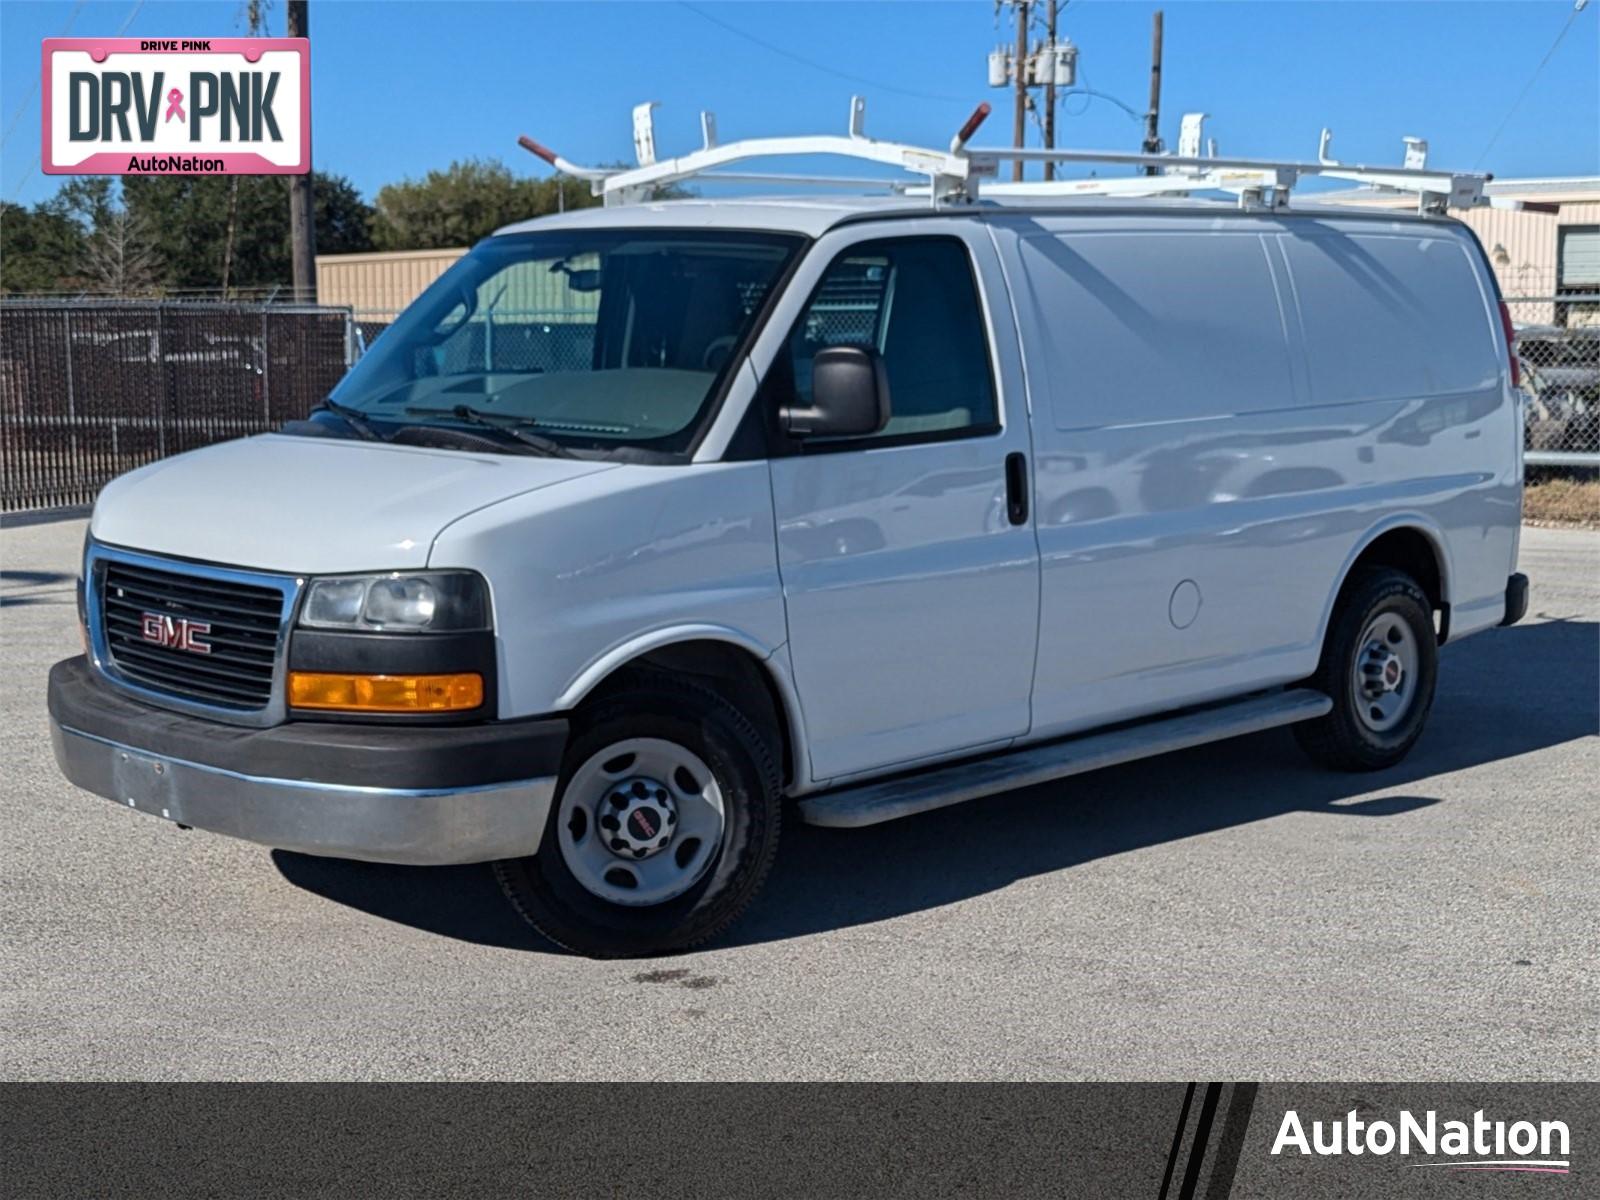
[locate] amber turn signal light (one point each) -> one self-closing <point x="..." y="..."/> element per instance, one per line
<point x="385" y="693"/>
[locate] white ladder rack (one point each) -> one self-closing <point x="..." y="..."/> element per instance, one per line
<point x="959" y="174"/>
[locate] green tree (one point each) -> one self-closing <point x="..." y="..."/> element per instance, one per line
<point x="40" y="249"/>
<point x="189" y="216"/>
<point x="469" y="201"/>
<point x="87" y="200"/>
<point x="344" y="219"/>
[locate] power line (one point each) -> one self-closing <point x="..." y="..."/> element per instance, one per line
<point x="1090" y="96"/>
<point x="1133" y="113"/>
<point x="1527" y="87"/>
<point x="816" y="66"/>
<point x="28" y="96"/>
<point x="121" y="29"/>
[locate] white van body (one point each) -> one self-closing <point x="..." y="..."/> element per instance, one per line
<point x="1215" y="415"/>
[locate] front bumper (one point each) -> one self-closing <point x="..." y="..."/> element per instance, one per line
<point x="426" y="795"/>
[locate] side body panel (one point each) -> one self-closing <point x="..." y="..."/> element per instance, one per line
<point x="607" y="567"/>
<point x="1226" y="409"/>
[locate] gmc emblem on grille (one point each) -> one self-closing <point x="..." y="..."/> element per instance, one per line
<point x="176" y="633"/>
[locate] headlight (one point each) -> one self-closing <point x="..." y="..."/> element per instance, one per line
<point x="427" y="602"/>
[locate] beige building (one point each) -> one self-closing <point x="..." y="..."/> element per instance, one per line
<point x="378" y="286"/>
<point x="1548" y="248"/>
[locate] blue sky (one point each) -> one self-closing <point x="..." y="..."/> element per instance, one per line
<point x="401" y="87"/>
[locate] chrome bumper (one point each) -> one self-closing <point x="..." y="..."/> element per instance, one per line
<point x="426" y="827"/>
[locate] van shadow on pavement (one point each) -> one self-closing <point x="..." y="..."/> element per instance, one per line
<point x="1502" y="694"/>
<point x="21" y="588"/>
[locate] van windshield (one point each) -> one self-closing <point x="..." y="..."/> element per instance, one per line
<point x="594" y="339"/>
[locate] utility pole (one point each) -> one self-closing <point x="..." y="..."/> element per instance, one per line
<point x="1019" y="121"/>
<point x="1050" y="91"/>
<point x="1052" y="64"/>
<point x="302" y="220"/>
<point x="1152" y="117"/>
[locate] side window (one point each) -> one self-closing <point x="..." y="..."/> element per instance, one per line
<point x="915" y="302"/>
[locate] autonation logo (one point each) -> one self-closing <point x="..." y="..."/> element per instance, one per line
<point x="1476" y="1145"/>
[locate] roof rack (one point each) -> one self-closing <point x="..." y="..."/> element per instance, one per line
<point x="955" y="175"/>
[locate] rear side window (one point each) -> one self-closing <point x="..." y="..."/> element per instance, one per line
<point x="1389" y="317"/>
<point x="915" y="302"/>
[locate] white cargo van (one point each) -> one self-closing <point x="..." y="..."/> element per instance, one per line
<point x="645" y="519"/>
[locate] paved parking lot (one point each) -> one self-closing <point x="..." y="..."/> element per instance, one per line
<point x="1230" y="912"/>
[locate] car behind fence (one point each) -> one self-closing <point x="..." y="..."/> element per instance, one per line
<point x="92" y="388"/>
<point x="1561" y="376"/>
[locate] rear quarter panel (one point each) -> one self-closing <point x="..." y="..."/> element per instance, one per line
<point x="1226" y="409"/>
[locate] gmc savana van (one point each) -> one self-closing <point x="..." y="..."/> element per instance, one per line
<point x="644" y="523"/>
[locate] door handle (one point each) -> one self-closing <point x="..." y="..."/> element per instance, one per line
<point x="1017" y="487"/>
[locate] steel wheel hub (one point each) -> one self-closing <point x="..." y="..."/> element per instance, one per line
<point x="1386" y="665"/>
<point x="640" y="822"/>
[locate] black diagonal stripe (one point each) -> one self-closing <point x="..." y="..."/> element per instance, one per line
<point x="1202" y="1134"/>
<point x="1177" y="1141"/>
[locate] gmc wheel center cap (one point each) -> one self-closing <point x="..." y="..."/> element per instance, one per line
<point x="638" y="818"/>
<point x="1382" y="670"/>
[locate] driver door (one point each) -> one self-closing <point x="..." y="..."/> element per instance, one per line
<point x="910" y="570"/>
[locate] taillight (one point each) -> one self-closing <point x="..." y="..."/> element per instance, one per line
<point x="1511" y="349"/>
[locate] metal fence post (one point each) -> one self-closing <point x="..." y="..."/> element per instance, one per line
<point x="165" y="393"/>
<point x="72" y="399"/>
<point x="66" y="322"/>
<point x="266" y="368"/>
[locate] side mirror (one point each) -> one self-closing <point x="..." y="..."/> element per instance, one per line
<point x="849" y="395"/>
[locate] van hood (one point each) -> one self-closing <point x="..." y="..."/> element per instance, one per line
<point x="313" y="505"/>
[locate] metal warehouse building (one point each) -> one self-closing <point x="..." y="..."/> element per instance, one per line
<point x="1548" y="248"/>
<point x="378" y="286"/>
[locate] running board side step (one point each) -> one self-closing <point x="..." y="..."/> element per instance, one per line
<point x="884" y="800"/>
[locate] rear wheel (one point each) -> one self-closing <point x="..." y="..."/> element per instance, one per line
<point x="664" y="825"/>
<point x="1379" y="665"/>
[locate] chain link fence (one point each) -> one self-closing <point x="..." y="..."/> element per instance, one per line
<point x="1557" y="344"/>
<point x="1561" y="377"/>
<point x="519" y="340"/>
<point x="92" y="388"/>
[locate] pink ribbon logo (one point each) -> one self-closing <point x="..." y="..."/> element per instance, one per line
<point x="175" y="105"/>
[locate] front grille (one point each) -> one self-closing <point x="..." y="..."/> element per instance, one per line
<point x="244" y="622"/>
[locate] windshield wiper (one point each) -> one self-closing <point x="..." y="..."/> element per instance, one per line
<point x="353" y="418"/>
<point x="516" y="427"/>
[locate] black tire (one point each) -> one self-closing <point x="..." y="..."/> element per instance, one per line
<point x="1343" y="739"/>
<point x="549" y="897"/>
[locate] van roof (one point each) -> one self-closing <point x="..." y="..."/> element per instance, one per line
<point x="815" y="215"/>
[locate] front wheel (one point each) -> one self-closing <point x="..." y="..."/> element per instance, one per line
<point x="1379" y="665"/>
<point x="664" y="825"/>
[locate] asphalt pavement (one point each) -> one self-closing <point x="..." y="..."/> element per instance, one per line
<point x="1230" y="912"/>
